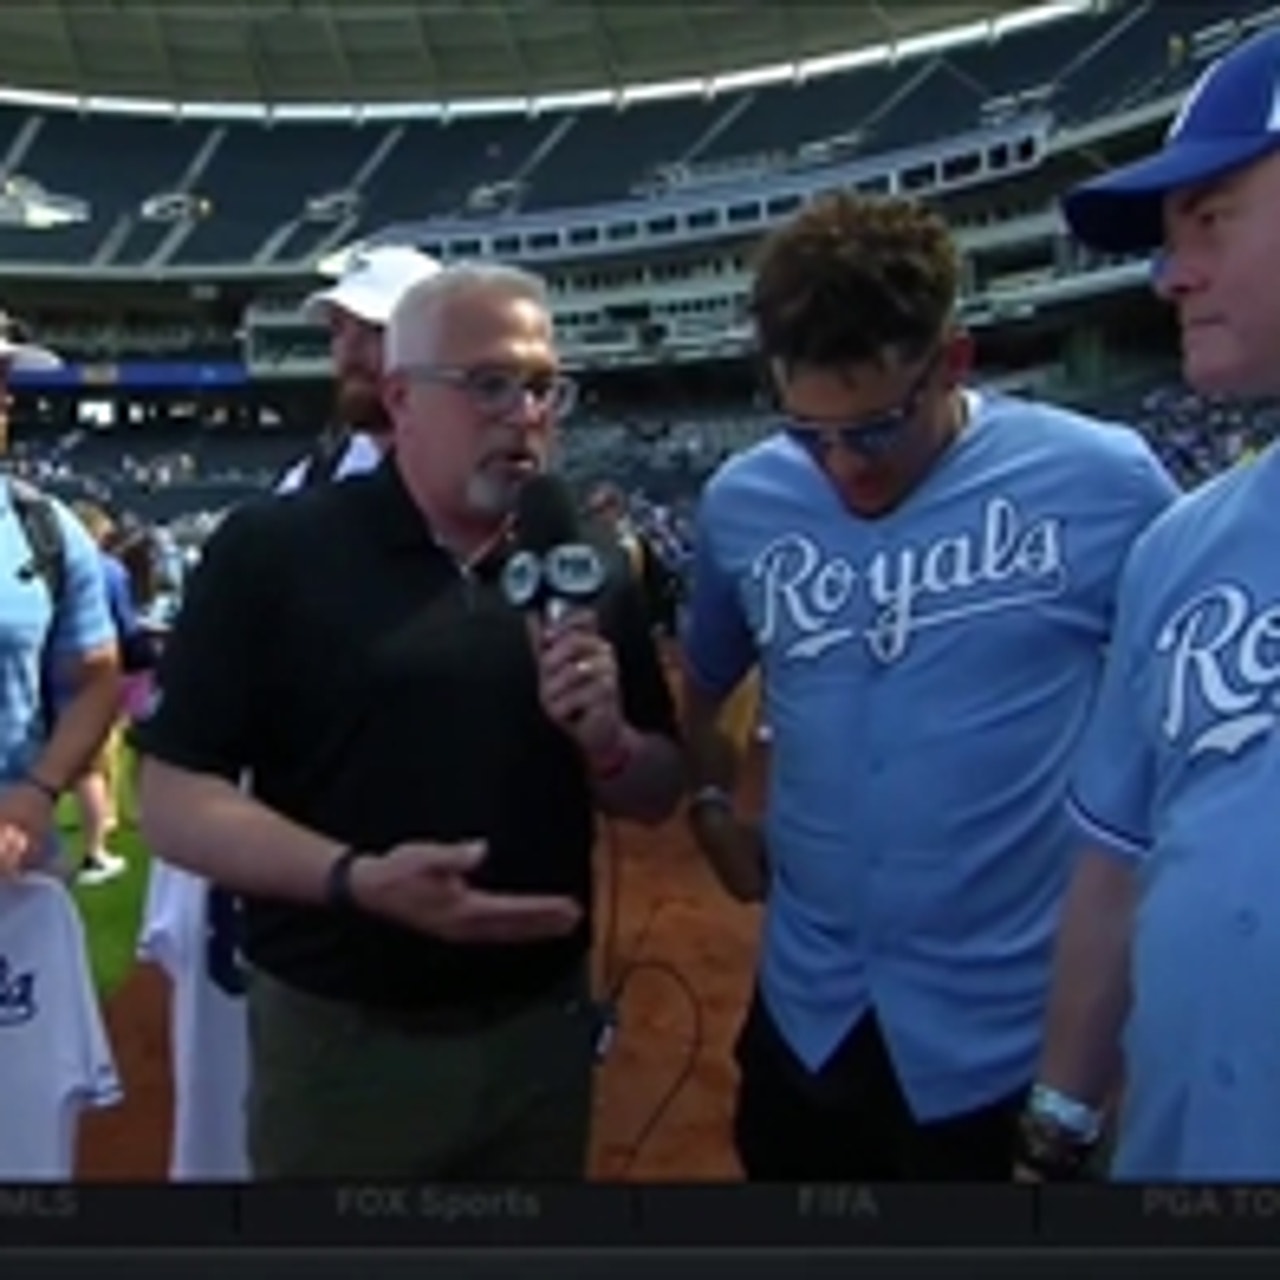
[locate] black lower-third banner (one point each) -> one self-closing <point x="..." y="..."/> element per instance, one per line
<point x="830" y="1215"/>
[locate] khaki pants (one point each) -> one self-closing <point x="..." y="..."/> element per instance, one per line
<point x="341" y="1091"/>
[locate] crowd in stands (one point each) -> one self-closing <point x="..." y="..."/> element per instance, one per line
<point x="179" y="493"/>
<point x="1197" y="437"/>
<point x="228" y="192"/>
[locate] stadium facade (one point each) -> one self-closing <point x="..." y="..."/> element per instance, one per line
<point x="165" y="255"/>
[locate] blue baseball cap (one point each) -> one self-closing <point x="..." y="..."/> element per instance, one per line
<point x="1229" y="119"/>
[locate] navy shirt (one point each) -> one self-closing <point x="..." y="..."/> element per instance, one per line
<point x="331" y="650"/>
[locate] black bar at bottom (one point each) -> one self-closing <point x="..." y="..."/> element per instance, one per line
<point x="499" y="1264"/>
<point x="837" y="1214"/>
<point x="443" y="1215"/>
<point x="1160" y="1217"/>
<point x="105" y="1215"/>
<point x="98" y="1216"/>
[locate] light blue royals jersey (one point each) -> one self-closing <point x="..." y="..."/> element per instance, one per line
<point x="34" y="642"/>
<point x="1180" y="773"/>
<point x="927" y="675"/>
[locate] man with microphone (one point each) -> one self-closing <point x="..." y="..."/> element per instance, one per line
<point x="190" y="928"/>
<point x="427" y="762"/>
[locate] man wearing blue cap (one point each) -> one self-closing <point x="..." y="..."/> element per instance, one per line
<point x="1170" y="940"/>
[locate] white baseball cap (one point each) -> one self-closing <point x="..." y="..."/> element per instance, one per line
<point x="372" y="282"/>
<point x="24" y="356"/>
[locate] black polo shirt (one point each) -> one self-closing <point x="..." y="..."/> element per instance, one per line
<point x="377" y="693"/>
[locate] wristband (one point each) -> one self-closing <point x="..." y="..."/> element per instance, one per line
<point x="1082" y="1122"/>
<point x="1051" y="1152"/>
<point x="616" y="762"/>
<point x="51" y="793"/>
<point x="337" y="885"/>
<point x="710" y="797"/>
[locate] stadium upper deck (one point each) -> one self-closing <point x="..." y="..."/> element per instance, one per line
<point x="185" y="193"/>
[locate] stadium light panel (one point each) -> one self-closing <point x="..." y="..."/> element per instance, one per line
<point x="574" y="101"/>
<point x="872" y="56"/>
<point x="939" y="41"/>
<point x="1040" y="14"/>
<point x="42" y="217"/>
<point x="757" y="77"/>
<point x="571" y="101"/>
<point x="38" y="98"/>
<point x="302" y="112"/>
<point x="390" y="111"/>
<point x="208" y="110"/>
<point x="129" y="106"/>
<point x="662" y="90"/>
<point x="462" y="109"/>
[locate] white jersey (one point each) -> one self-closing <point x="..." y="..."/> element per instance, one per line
<point x="55" y="1061"/>
<point x="192" y="933"/>
<point x="361" y="453"/>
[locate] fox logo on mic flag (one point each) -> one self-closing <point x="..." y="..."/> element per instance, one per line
<point x="552" y="567"/>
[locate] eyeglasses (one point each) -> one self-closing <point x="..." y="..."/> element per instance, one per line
<point x="871" y="437"/>
<point x="496" y="393"/>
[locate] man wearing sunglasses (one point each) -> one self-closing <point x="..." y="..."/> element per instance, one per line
<point x="414" y="860"/>
<point x="924" y="574"/>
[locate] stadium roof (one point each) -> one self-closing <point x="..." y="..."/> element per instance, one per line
<point x="384" y="51"/>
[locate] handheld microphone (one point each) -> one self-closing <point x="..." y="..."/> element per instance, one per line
<point x="553" y="568"/>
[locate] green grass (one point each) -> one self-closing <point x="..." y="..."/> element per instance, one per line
<point x="112" y="911"/>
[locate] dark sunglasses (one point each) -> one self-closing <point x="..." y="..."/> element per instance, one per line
<point x="870" y="437"/>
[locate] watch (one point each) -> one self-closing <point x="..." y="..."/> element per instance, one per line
<point x="337" y="889"/>
<point x="1051" y="1152"/>
<point x="1082" y="1122"/>
<point x="1057" y="1135"/>
<point x="710" y="798"/>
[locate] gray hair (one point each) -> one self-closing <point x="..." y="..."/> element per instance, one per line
<point x="405" y="340"/>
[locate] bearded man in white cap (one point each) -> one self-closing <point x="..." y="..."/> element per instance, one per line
<point x="355" y="309"/>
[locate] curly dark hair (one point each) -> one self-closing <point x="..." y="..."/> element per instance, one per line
<point x="852" y="279"/>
